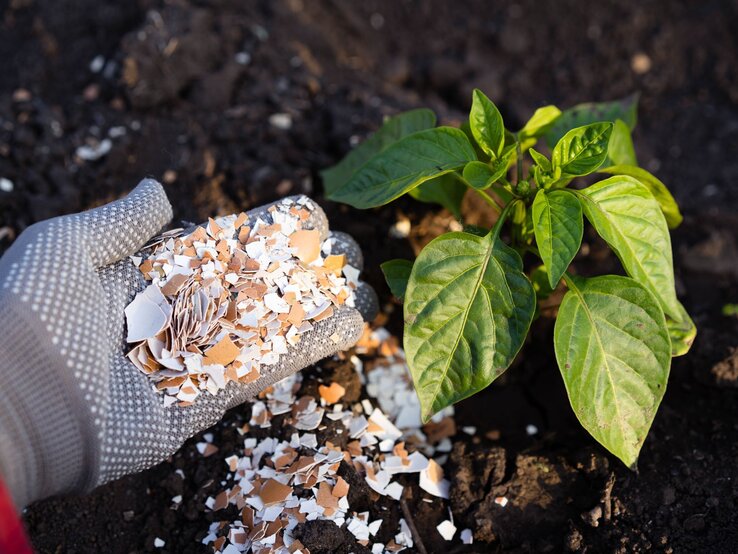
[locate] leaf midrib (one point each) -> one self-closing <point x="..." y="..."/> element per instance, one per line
<point x="595" y="332"/>
<point x="621" y="236"/>
<point x="483" y="269"/>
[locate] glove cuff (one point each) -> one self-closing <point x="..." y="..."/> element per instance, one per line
<point x="45" y="447"/>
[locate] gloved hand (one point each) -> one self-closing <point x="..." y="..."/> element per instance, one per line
<point x="74" y="411"/>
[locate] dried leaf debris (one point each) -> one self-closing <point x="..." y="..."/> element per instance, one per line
<point x="227" y="299"/>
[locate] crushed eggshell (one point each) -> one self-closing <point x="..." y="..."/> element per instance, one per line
<point x="332" y="393"/>
<point x="432" y="481"/>
<point x="227" y="299"/>
<point x="447" y="529"/>
<point x="277" y="484"/>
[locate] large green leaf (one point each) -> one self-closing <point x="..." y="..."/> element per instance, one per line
<point x="486" y="124"/>
<point x="558" y="226"/>
<point x="621" y="150"/>
<point x="404" y="165"/>
<point x="537" y="126"/>
<point x="591" y="112"/>
<point x="613" y="350"/>
<point x="582" y="150"/>
<point x="397" y="273"/>
<point x="393" y="130"/>
<point x="468" y="307"/>
<point x="445" y="190"/>
<point x="626" y="215"/>
<point x="682" y="332"/>
<point x="658" y="190"/>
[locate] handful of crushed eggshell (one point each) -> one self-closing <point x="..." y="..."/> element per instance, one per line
<point x="228" y="299"/>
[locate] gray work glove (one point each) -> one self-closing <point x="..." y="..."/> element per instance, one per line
<point x="74" y="411"/>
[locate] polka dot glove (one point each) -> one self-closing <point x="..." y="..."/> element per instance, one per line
<point x="74" y="411"/>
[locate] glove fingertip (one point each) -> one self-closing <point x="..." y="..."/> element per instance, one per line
<point x="366" y="302"/>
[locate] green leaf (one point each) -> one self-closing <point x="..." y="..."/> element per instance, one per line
<point x="468" y="308"/>
<point x="614" y="353"/>
<point x="621" y="150"/>
<point x="478" y="175"/>
<point x="476" y="230"/>
<point x="658" y="189"/>
<point x="538" y="125"/>
<point x="584" y="114"/>
<point x="396" y="273"/>
<point x="404" y="165"/>
<point x="540" y="281"/>
<point x="558" y="226"/>
<point x="682" y="332"/>
<point x="466" y="129"/>
<point x="445" y="190"/>
<point x="582" y="150"/>
<point x="540" y="160"/>
<point x="481" y="176"/>
<point x="542" y="170"/>
<point x="624" y="213"/>
<point x="486" y="124"/>
<point x="393" y="130"/>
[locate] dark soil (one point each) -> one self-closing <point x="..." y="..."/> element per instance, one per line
<point x="194" y="85"/>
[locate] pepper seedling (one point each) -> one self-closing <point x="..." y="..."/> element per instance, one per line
<point x="468" y="304"/>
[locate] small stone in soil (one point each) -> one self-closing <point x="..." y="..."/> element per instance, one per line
<point x="592" y="517"/>
<point x="694" y="523"/>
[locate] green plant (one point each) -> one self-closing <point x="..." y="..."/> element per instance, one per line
<point x="468" y="303"/>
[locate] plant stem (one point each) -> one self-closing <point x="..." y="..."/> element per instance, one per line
<point x="489" y="200"/>
<point x="569" y="282"/>
<point x="501" y="220"/>
<point x="520" y="158"/>
<point x="505" y="182"/>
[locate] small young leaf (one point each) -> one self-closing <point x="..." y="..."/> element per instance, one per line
<point x="468" y="307"/>
<point x="486" y="124"/>
<point x="558" y="226"/>
<point x="537" y="126"/>
<point x="614" y="353"/>
<point x="621" y="150"/>
<point x="624" y="213"/>
<point x="393" y="130"/>
<point x="682" y="333"/>
<point x="478" y="175"/>
<point x="445" y="190"/>
<point x="582" y="150"/>
<point x="396" y="273"/>
<point x="481" y="176"/>
<point x="466" y="129"/>
<point x="584" y="114"/>
<point x="541" y="161"/>
<point x="404" y="165"/>
<point x="658" y="190"/>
